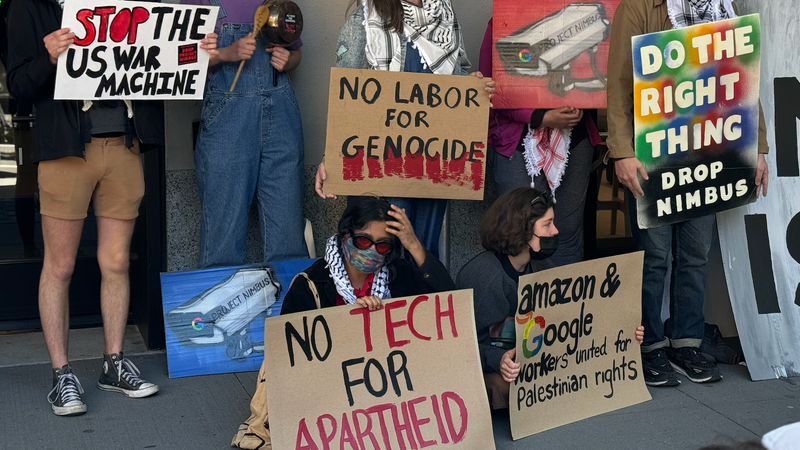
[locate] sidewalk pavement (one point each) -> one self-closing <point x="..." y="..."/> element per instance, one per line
<point x="203" y="413"/>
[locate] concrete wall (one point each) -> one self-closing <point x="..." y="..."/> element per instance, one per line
<point x="323" y="19"/>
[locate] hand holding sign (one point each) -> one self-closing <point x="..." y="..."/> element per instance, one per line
<point x="509" y="368"/>
<point x="58" y="41"/>
<point x="762" y="176"/>
<point x="561" y="118"/>
<point x="371" y="302"/>
<point x="319" y="180"/>
<point x="209" y="44"/>
<point x="627" y="170"/>
<point x="491" y="85"/>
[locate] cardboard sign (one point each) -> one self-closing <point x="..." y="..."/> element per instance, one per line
<point x="406" y="134"/>
<point x="760" y="242"/>
<point x="696" y="119"/>
<point x="134" y="50"/>
<point x="213" y="318"/>
<point x="551" y="53"/>
<point x="406" y="376"/>
<point x="576" y="345"/>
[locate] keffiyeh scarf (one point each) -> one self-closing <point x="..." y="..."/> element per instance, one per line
<point x="333" y="256"/>
<point x="432" y="29"/>
<point x="685" y="13"/>
<point x="547" y="151"/>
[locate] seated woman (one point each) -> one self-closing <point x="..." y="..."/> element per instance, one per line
<point x="362" y="266"/>
<point x="519" y="236"/>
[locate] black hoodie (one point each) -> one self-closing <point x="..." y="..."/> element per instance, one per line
<point x="61" y="127"/>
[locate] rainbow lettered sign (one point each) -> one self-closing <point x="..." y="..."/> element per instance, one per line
<point x="696" y="118"/>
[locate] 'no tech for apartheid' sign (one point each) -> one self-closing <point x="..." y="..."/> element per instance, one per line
<point x="134" y="50"/>
<point x="696" y="118"/>
<point x="406" y="376"/>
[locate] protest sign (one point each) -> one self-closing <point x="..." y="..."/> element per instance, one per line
<point x="134" y="50"/>
<point x="214" y="318"/>
<point x="406" y="134"/>
<point x="696" y="119"/>
<point x="576" y="346"/>
<point x="760" y="242"/>
<point x="405" y="376"/>
<point x="551" y="53"/>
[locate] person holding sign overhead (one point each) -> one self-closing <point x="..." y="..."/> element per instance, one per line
<point x="421" y="36"/>
<point x="519" y="235"/>
<point x="675" y="349"/>
<point x="362" y="267"/>
<point x="250" y="143"/>
<point x="549" y="149"/>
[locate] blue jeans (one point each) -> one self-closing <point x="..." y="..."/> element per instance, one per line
<point x="426" y="216"/>
<point x="688" y="243"/>
<point x="250" y="143"/>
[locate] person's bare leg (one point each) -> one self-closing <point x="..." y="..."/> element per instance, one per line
<point x="61" y="240"/>
<point x="113" y="255"/>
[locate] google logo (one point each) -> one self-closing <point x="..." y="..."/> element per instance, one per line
<point x="198" y="324"/>
<point x="538" y="320"/>
<point x="525" y="55"/>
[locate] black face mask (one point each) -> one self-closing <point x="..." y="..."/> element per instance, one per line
<point x="547" y="246"/>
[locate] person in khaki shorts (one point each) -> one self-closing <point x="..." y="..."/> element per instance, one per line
<point x="86" y="152"/>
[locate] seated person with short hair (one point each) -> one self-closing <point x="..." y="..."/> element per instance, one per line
<point x="519" y="236"/>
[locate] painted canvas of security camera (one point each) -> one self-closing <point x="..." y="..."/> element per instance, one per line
<point x="214" y="318"/>
<point x="551" y="53"/>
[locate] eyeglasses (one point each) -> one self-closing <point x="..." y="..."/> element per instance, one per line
<point x="363" y="242"/>
<point x="544" y="197"/>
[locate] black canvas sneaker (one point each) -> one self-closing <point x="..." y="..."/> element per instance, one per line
<point x="65" y="398"/>
<point x="121" y="375"/>
<point x="689" y="362"/>
<point x="657" y="369"/>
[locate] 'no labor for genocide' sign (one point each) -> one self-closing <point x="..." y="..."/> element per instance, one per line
<point x="406" y="376"/>
<point x="134" y="50"/>
<point x="696" y="118"/>
<point x="575" y="343"/>
<point x="406" y="134"/>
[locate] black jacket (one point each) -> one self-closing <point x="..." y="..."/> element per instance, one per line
<point x="494" y="283"/>
<point x="62" y="129"/>
<point x="405" y="279"/>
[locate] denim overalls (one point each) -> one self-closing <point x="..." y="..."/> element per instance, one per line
<point x="250" y="142"/>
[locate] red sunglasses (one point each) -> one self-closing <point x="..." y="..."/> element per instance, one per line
<point x="363" y="242"/>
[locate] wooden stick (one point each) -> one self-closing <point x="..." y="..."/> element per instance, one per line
<point x="259" y="19"/>
<point x="236" y="78"/>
